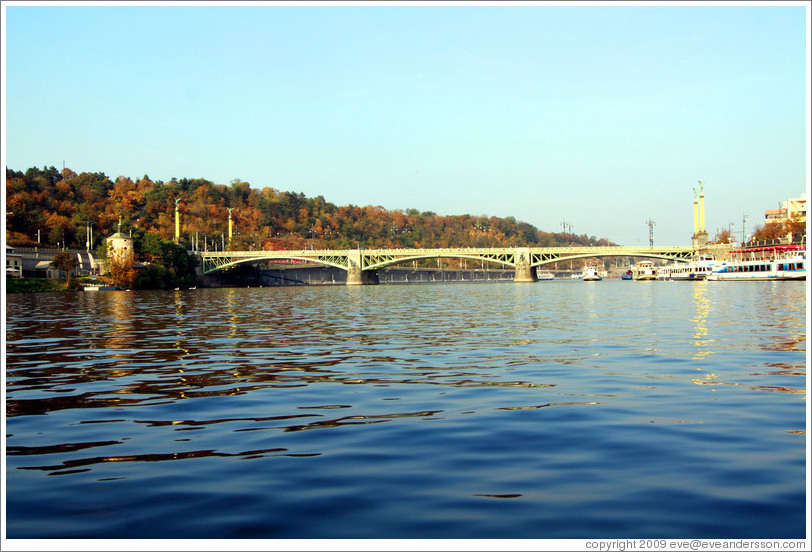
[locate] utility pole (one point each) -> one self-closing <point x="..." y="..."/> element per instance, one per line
<point x="651" y="225"/>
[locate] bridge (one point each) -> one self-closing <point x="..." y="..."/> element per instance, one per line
<point x="361" y="264"/>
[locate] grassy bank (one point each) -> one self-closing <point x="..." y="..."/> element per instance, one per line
<point x="28" y="285"/>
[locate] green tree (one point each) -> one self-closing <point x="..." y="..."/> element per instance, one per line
<point x="66" y="262"/>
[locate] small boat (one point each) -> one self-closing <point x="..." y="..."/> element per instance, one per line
<point x="627" y="275"/>
<point x="590" y="274"/>
<point x="97" y="287"/>
<point x="763" y="263"/>
<point x="545" y="275"/>
<point x="575" y="276"/>
<point x="644" y="270"/>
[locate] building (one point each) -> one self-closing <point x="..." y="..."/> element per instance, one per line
<point x="120" y="246"/>
<point x="14" y="263"/>
<point x="793" y="208"/>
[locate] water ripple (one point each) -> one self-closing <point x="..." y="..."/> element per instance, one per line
<point x="555" y="410"/>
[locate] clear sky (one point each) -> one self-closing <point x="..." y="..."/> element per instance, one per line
<point x="600" y="115"/>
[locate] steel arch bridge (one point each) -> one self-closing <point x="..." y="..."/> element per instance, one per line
<point x="361" y="263"/>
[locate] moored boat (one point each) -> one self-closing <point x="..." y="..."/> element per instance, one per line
<point x="698" y="268"/>
<point x="590" y="274"/>
<point x="97" y="287"/>
<point x="545" y="275"/>
<point x="644" y="270"/>
<point x="783" y="262"/>
<point x="628" y="275"/>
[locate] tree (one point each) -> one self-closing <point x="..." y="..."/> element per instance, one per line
<point x="770" y="231"/>
<point x="722" y="236"/>
<point x="65" y="262"/>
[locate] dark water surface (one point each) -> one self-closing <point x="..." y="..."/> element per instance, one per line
<point x="550" y="410"/>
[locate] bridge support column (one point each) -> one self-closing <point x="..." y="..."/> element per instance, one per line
<point x="354" y="272"/>
<point x="524" y="272"/>
<point x="356" y="276"/>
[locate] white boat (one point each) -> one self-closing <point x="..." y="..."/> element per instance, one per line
<point x="644" y="270"/>
<point x="763" y="263"/>
<point x="545" y="275"/>
<point x="575" y="276"/>
<point x="696" y="269"/>
<point x="97" y="287"/>
<point x="590" y="274"/>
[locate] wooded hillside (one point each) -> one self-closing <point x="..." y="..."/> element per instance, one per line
<point x="61" y="204"/>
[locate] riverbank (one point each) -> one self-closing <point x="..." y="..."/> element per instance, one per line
<point x="42" y="285"/>
<point x="32" y="285"/>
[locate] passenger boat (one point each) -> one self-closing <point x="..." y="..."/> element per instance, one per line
<point x="644" y="270"/>
<point x="696" y="269"/>
<point x="783" y="262"/>
<point x="545" y="275"/>
<point x="590" y="274"/>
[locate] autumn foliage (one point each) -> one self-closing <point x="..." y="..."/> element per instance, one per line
<point x="62" y="204"/>
<point x="779" y="229"/>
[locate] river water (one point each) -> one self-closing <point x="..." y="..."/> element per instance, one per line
<point x="553" y="410"/>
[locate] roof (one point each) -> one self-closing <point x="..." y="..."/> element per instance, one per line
<point x="120" y="236"/>
<point x="785" y="247"/>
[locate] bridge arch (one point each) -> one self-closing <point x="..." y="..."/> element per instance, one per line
<point x="229" y="262"/>
<point x="598" y="255"/>
<point x="400" y="260"/>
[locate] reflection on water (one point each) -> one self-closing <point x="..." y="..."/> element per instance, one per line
<point x="392" y="411"/>
<point x="702" y="306"/>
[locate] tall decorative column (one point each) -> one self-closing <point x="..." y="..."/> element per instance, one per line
<point x="700" y="237"/>
<point x="177" y="221"/>
<point x="701" y="209"/>
<point x="230" y="225"/>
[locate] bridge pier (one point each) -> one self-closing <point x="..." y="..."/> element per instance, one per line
<point x="354" y="273"/>
<point x="524" y="272"/>
<point x="356" y="276"/>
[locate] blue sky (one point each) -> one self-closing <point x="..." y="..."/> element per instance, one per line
<point x="600" y="115"/>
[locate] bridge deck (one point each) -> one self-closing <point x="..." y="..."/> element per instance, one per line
<point x="520" y="258"/>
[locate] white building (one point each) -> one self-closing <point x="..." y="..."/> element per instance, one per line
<point x="790" y="209"/>
<point x="120" y="245"/>
<point x="14" y="263"/>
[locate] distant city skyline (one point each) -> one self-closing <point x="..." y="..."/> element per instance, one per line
<point x="596" y="117"/>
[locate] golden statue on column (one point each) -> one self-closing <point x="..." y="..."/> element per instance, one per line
<point x="177" y="221"/>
